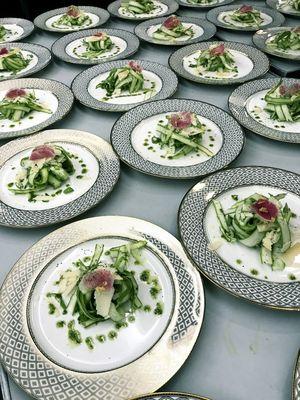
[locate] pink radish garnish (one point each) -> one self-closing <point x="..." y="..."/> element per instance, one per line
<point x="265" y="209"/>
<point x="41" y="152"/>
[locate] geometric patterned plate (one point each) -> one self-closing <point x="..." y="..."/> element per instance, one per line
<point x="62" y="92"/>
<point x="216" y="3"/>
<point x="59" y="46"/>
<point x="296" y="383"/>
<point x="109" y="170"/>
<point x="261" y="36"/>
<point x="279" y="5"/>
<point x="259" y="60"/>
<point x="172" y="7"/>
<point x="277" y="19"/>
<point x="237" y="105"/>
<point x="171" y="396"/>
<point x="231" y="147"/>
<point x="81" y="82"/>
<point x="40" y="20"/>
<point x="209" y="30"/>
<point x="41" y="52"/>
<point x="192" y="212"/>
<point x="26" y="28"/>
<point x="41" y="377"/>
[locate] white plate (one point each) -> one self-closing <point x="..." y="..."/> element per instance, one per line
<point x="146" y="129"/>
<point x="255" y="105"/>
<point x="131" y="343"/>
<point x="125" y="98"/>
<point x="245" y="259"/>
<point x="160" y="8"/>
<point x="77" y="48"/>
<point x="65" y="28"/>
<point x="12" y="167"/>
<point x="242" y="61"/>
<point x="225" y="17"/>
<point x="197" y="32"/>
<point x="45" y="97"/>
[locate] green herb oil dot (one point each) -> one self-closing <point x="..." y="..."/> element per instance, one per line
<point x="101" y="338"/>
<point x="51" y="308"/>
<point x="89" y="342"/>
<point x="159" y="309"/>
<point x="145" y="276"/>
<point x="131" y="318"/>
<point x="68" y="190"/>
<point x="112" y="335"/>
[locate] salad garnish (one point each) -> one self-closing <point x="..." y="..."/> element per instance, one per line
<point x="181" y="135"/>
<point x="171" y="29"/>
<point x="48" y="166"/>
<point x="258" y="221"/>
<point x="283" y="102"/>
<point x="3" y="32"/>
<point x="12" y="60"/>
<point x="97" y="44"/>
<point x="247" y="15"/>
<point x="138" y="6"/>
<point x="128" y="79"/>
<point x="74" y="17"/>
<point x="216" y="59"/>
<point x="95" y="290"/>
<point x="19" y="103"/>
<point x="286" y="40"/>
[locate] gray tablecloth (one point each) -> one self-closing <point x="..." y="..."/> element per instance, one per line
<point x="244" y="352"/>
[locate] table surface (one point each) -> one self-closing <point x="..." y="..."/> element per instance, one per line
<point x="244" y="351"/>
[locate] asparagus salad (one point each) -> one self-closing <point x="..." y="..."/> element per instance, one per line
<point x="277" y="108"/>
<point x="283" y="103"/>
<point x="13" y="61"/>
<point x="103" y="290"/>
<point x="18" y="104"/>
<point x="46" y="167"/>
<point x="138" y="6"/>
<point x="141" y="8"/>
<point x="286" y="41"/>
<point x="214" y="62"/>
<point x="178" y="135"/>
<point x="96" y="45"/>
<point x="172" y="30"/>
<point x="245" y="16"/>
<point x="127" y="82"/>
<point x="258" y="221"/>
<point x="74" y="18"/>
<point x="3" y="32"/>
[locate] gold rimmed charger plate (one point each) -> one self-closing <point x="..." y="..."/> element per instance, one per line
<point x="43" y="378"/>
